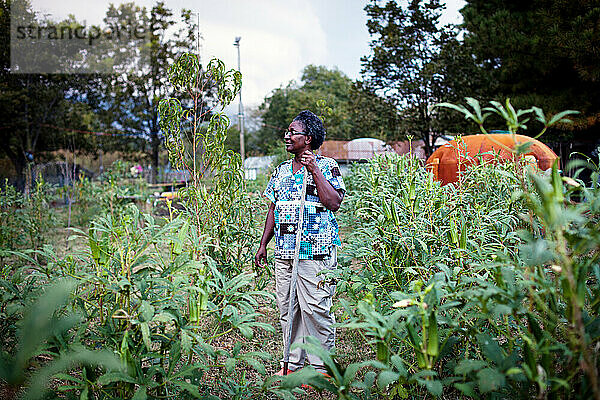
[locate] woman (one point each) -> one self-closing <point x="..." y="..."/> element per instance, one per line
<point x="324" y="193"/>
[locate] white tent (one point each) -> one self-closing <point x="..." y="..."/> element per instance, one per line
<point x="366" y="148"/>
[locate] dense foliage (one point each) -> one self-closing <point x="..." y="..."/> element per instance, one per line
<point x="349" y="109"/>
<point x="457" y="297"/>
<point x="539" y="52"/>
<point x="25" y="220"/>
<point x="130" y="100"/>
<point x="487" y="288"/>
<point x="90" y="112"/>
<point x="138" y="305"/>
<point x="404" y="64"/>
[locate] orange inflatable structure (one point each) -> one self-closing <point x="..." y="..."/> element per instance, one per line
<point x="444" y="162"/>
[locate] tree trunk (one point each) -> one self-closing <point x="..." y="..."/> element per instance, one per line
<point x="426" y="139"/>
<point x="426" y="133"/>
<point x="20" y="167"/>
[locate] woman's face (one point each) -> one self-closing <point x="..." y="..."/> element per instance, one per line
<point x="296" y="142"/>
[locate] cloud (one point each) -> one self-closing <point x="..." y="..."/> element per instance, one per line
<point x="278" y="40"/>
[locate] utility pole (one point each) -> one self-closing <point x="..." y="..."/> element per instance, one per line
<point x="241" y="107"/>
<point x="198" y="36"/>
<point x="197" y="33"/>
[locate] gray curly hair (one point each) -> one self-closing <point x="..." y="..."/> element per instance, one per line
<point x="314" y="128"/>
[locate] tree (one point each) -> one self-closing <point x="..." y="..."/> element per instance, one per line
<point x="372" y="115"/>
<point x="403" y="64"/>
<point x="132" y="97"/>
<point x="319" y="88"/>
<point x="349" y="109"/>
<point x="460" y="76"/>
<point x="33" y="106"/>
<point x="541" y="52"/>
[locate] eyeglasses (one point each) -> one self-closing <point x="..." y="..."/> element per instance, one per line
<point x="292" y="133"/>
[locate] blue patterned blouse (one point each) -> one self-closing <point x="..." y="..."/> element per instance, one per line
<point x="320" y="229"/>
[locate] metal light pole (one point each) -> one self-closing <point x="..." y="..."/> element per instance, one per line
<point x="241" y="107"/>
<point x="198" y="34"/>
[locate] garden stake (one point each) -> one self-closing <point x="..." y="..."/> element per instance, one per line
<point x="293" y="283"/>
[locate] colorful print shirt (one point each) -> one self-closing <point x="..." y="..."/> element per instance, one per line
<point x="320" y="229"/>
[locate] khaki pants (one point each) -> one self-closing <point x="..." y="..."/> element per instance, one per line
<point x="312" y="307"/>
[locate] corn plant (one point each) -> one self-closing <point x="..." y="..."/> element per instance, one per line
<point x="489" y="288"/>
<point x="45" y="332"/>
<point x="136" y="274"/>
<point x="406" y="222"/>
<point x="26" y="220"/>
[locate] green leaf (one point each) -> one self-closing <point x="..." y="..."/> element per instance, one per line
<point x="146" y="311"/>
<point x="174" y="356"/>
<point x="399" y="364"/>
<point x="387" y="377"/>
<point x="490" y="348"/>
<point x="246" y="331"/>
<point x="474" y="103"/>
<point x="539" y="115"/>
<point x="256" y="364"/>
<point x="434" y="387"/>
<point x="66" y="377"/>
<point x="163" y="317"/>
<point x="146" y="335"/>
<point x="560" y="117"/>
<point x="186" y="342"/>
<point x="66" y="361"/>
<point x="307" y="376"/>
<point x="458" y="108"/>
<point x="350" y="372"/>
<point x="140" y="394"/>
<point x="490" y="379"/>
<point x="115" y="376"/>
<point x="181" y="237"/>
<point x="188" y="387"/>
<point x="468" y="389"/>
<point x="312" y="346"/>
<point x="466" y="366"/>
<point x="557" y="382"/>
<point x="230" y="364"/>
<point x="501" y="309"/>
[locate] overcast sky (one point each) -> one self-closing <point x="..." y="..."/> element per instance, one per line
<point x="279" y="37"/>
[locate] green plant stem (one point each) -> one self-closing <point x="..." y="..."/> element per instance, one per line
<point x="587" y="362"/>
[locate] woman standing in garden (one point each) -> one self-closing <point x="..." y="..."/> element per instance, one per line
<point x="318" y="237"/>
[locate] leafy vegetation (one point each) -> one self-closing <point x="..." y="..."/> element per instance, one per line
<point x="404" y="65"/>
<point x="472" y="299"/>
<point x="486" y="288"/>
<point x="524" y="47"/>
<point x="350" y="109"/>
